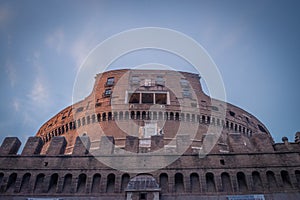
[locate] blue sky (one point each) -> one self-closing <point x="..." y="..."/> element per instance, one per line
<point x="255" y="45"/>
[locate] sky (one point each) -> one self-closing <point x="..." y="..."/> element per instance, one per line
<point x="255" y="45"/>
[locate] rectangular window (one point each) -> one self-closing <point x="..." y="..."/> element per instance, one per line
<point x="107" y="93"/>
<point x="110" y="81"/>
<point x="147" y="98"/>
<point x="160" y="98"/>
<point x="184" y="83"/>
<point x="134" y="98"/>
<point x="135" y="80"/>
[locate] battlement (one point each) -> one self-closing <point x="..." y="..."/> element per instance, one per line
<point x="182" y="144"/>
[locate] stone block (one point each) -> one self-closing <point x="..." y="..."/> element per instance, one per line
<point x="10" y="146"/>
<point x="57" y="146"/>
<point x="132" y="144"/>
<point x="33" y="146"/>
<point x="82" y="145"/>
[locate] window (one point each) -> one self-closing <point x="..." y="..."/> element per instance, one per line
<point x="147" y="98"/>
<point x="160" y="81"/>
<point x="184" y="83"/>
<point x="107" y="93"/>
<point x="186" y="93"/>
<point x="134" y="98"/>
<point x="135" y="80"/>
<point x="110" y="81"/>
<point x="160" y="98"/>
<point x="143" y="196"/>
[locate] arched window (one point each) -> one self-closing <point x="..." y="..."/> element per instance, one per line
<point x="109" y="116"/>
<point x="231" y="125"/>
<point x="195" y="183"/>
<point x="96" y="183"/>
<point x="188" y="117"/>
<point x="83" y="121"/>
<point x="121" y="115"/>
<point x="115" y="117"/>
<point x="171" y="116"/>
<point x="154" y="116"/>
<point x="93" y="118"/>
<point x="104" y="116"/>
<point x="126" y="115"/>
<point x="164" y="182"/>
<point x="286" y="179"/>
<point x="166" y="116"/>
<point x="78" y="123"/>
<point x="25" y="183"/>
<point x="203" y="119"/>
<point x="53" y="183"/>
<point x="257" y="183"/>
<point x="138" y="115"/>
<point x="226" y="182"/>
<point x="143" y="115"/>
<point x="160" y="116"/>
<point x="193" y="117"/>
<point x="208" y="119"/>
<point x="81" y="183"/>
<point x="98" y="117"/>
<point x="242" y="183"/>
<point x="67" y="183"/>
<point x="177" y="116"/>
<point x="11" y="182"/>
<point x="124" y="182"/>
<point x="132" y="115"/>
<point x="179" y="186"/>
<point x="39" y="183"/>
<point x="271" y="180"/>
<point x="182" y="117"/>
<point x="88" y="119"/>
<point x="210" y="182"/>
<point x="110" y="186"/>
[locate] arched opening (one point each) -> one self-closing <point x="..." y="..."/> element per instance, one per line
<point x="98" y="117"/>
<point x="1" y="177"/>
<point x="138" y="115"/>
<point x="115" y="117"/>
<point x="109" y="117"/>
<point x="88" y="119"/>
<point x="53" y="183"/>
<point x="213" y="121"/>
<point x="208" y="119"/>
<point x="126" y="115"/>
<point x="166" y="115"/>
<point x="78" y="123"/>
<point x="226" y="182"/>
<point x="25" y="183"/>
<point x="143" y="115"/>
<point x="195" y="183"/>
<point x="160" y="116"/>
<point x="257" y="183"/>
<point x="188" y="117"/>
<point x="11" y="182"/>
<point x="39" y="183"/>
<point x="193" y="117"/>
<point x="93" y="118"/>
<point x="96" y="183"/>
<point x="154" y="116"/>
<point x="182" y="117"/>
<point x="210" y="182"/>
<point x="104" y="116"/>
<point x="271" y="180"/>
<point x="124" y="182"/>
<point x="179" y="186"/>
<point x="83" y="121"/>
<point x="297" y="174"/>
<point x="164" y="182"/>
<point x="121" y="115"/>
<point x="242" y="183"/>
<point x="177" y="116"/>
<point x="231" y="125"/>
<point x="203" y="118"/>
<point x="171" y="116"/>
<point x="67" y="183"/>
<point x="110" y="186"/>
<point x="81" y="183"/>
<point x="286" y="179"/>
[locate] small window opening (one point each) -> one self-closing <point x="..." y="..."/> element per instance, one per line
<point x="110" y="81"/>
<point x="222" y="162"/>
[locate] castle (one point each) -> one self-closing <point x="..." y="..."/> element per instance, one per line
<point x="150" y="134"/>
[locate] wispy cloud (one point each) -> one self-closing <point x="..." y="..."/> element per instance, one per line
<point x="56" y="40"/>
<point x="16" y="105"/>
<point x="39" y="92"/>
<point x="11" y="72"/>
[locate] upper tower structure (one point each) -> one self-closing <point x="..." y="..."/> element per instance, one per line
<point x="143" y="103"/>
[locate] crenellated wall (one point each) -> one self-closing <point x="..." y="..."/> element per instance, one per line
<point x="275" y="173"/>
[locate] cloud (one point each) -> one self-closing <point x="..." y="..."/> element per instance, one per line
<point x="38" y="92"/>
<point x="11" y="72"/>
<point x="16" y="105"/>
<point x="56" y="40"/>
